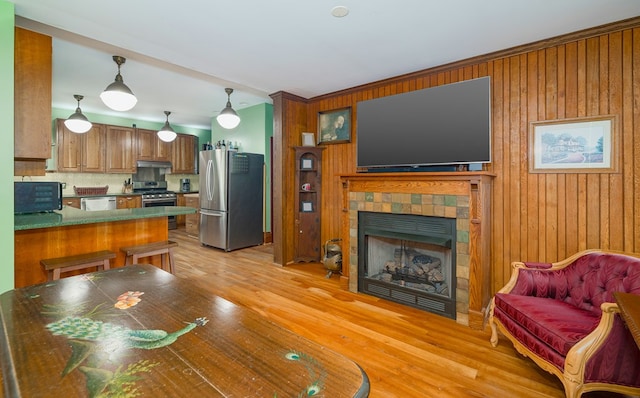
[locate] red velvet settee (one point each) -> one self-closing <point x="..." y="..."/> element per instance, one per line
<point x="564" y="317"/>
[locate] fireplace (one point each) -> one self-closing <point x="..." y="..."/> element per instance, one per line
<point x="408" y="259"/>
<point x="461" y="198"/>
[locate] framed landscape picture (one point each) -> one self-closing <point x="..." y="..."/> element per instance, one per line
<point x="334" y="127"/>
<point x="579" y="145"/>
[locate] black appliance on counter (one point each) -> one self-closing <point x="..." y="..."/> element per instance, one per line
<point x="36" y="196"/>
<point x="149" y="181"/>
<point x="185" y="185"/>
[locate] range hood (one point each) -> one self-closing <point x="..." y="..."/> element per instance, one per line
<point x="154" y="164"/>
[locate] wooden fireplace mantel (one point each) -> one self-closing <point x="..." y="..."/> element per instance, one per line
<point x="475" y="186"/>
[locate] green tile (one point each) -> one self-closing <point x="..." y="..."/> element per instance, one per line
<point x="450" y="200"/>
<point x="368" y="196"/>
<point x="416" y="199"/>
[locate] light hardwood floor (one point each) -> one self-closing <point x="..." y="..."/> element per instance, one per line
<point x="405" y="352"/>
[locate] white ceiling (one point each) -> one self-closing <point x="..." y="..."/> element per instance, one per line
<point x="182" y="54"/>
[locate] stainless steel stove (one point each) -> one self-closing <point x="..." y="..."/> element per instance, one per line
<point x="154" y="194"/>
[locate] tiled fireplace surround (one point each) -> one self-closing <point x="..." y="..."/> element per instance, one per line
<point x="464" y="196"/>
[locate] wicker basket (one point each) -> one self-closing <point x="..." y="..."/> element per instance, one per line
<point x="90" y="190"/>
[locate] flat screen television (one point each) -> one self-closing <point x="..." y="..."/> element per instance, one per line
<point x="446" y="125"/>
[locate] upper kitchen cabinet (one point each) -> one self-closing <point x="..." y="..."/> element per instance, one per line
<point x="81" y="152"/>
<point x="121" y="149"/>
<point x="32" y="101"/>
<point x="185" y="149"/>
<point x="150" y="147"/>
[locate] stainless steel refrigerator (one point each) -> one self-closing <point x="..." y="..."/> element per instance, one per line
<point x="231" y="204"/>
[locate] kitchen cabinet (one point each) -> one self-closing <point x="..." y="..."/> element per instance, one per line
<point x="150" y="147"/>
<point x="185" y="148"/>
<point x="307" y="188"/>
<point x="83" y="153"/>
<point x="71" y="202"/>
<point x="192" y="221"/>
<point x="121" y="149"/>
<point x="32" y="102"/>
<point x="129" y="202"/>
<point x="180" y="200"/>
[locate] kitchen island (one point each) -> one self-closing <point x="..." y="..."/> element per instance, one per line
<point x="72" y="231"/>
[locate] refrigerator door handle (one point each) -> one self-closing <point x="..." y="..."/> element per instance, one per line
<point x="209" y="178"/>
<point x="210" y="213"/>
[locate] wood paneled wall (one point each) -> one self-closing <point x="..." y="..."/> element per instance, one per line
<point x="536" y="217"/>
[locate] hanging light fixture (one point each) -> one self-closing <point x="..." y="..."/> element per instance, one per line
<point x="117" y="95"/>
<point x="77" y="122"/>
<point x="166" y="133"/>
<point x="228" y="118"/>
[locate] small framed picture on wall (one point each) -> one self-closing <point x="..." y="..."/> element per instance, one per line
<point x="334" y="127"/>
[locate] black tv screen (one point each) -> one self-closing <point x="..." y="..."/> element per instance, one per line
<point x="442" y="125"/>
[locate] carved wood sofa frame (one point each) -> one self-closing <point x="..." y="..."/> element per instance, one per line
<point x="572" y="368"/>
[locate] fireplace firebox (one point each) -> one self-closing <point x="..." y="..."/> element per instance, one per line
<point x="408" y="259"/>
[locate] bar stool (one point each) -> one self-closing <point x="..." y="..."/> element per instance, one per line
<point x="164" y="249"/>
<point x="55" y="266"/>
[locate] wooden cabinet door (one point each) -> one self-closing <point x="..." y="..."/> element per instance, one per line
<point x="32" y="102"/>
<point x="184" y="154"/>
<point x="80" y="152"/>
<point x="69" y="148"/>
<point x="146" y="144"/>
<point x="163" y="150"/>
<point x="93" y="149"/>
<point x="192" y="221"/>
<point x="129" y="202"/>
<point x="121" y="149"/>
<point x="150" y="147"/>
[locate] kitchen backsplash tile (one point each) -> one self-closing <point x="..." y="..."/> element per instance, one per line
<point x="114" y="181"/>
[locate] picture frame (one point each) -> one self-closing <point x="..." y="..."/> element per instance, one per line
<point x="306" y="164"/>
<point x="577" y="145"/>
<point x="308" y="139"/>
<point x="334" y="127"/>
<point x="306" y="207"/>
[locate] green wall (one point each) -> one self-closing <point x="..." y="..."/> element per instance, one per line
<point x="6" y="149"/>
<point x="254" y="136"/>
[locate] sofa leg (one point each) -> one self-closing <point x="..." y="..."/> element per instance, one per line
<point x="494" y="332"/>
<point x="571" y="389"/>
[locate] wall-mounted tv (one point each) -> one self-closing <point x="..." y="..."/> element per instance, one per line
<point x="446" y="125"/>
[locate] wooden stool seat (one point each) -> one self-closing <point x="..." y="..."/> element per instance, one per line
<point x="55" y="266"/>
<point x="164" y="249"/>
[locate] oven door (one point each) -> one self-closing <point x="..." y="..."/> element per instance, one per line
<point x="173" y="224"/>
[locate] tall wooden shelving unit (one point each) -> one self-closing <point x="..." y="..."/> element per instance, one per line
<point x="308" y="189"/>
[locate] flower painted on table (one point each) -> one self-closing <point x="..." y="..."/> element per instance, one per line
<point x="128" y="300"/>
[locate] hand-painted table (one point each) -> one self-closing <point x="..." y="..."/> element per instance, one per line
<point x="140" y="331"/>
<point x="630" y="310"/>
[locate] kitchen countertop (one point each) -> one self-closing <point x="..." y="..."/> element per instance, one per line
<point x="72" y="216"/>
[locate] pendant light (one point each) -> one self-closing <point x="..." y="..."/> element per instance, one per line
<point x="228" y="118"/>
<point x="77" y="122"/>
<point x="166" y="133"/>
<point x="117" y="95"/>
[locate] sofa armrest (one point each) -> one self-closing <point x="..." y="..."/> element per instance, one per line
<point x="523" y="278"/>
<point x="582" y="351"/>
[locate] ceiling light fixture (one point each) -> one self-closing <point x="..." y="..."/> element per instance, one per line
<point x="339" y="11"/>
<point x="166" y="133"/>
<point x="77" y="122"/>
<point x="228" y="118"/>
<point x="117" y="95"/>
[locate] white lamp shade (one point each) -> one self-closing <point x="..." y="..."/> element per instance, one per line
<point x="78" y="123"/>
<point x="78" y="126"/>
<point x="118" y="97"/>
<point x="167" y="135"/>
<point x="228" y="120"/>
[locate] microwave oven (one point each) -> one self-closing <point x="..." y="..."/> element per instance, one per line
<point x="36" y="196"/>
